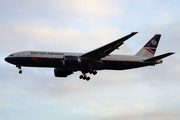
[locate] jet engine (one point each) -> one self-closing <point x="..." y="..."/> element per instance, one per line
<point x="61" y="73"/>
<point x="69" y="61"/>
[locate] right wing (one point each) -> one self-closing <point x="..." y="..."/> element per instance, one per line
<point x="105" y="50"/>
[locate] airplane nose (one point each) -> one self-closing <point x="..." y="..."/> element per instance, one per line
<point x="11" y="60"/>
<point x="6" y="59"/>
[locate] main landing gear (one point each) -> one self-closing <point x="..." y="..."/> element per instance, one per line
<point x="19" y="67"/>
<point x="93" y="72"/>
<point x="84" y="77"/>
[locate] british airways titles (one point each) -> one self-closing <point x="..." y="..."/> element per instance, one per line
<point x="47" y="53"/>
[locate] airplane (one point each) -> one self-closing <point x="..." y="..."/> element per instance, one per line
<point x="65" y="63"/>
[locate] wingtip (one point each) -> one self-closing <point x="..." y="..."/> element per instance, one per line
<point x="171" y="53"/>
<point x="134" y="32"/>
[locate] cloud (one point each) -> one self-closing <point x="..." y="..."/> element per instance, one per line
<point x="33" y="37"/>
<point x="85" y="7"/>
<point x="157" y="115"/>
<point x="80" y="26"/>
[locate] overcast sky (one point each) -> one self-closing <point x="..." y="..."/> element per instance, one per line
<point x="150" y="93"/>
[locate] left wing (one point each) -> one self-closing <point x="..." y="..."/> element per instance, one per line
<point x="105" y="50"/>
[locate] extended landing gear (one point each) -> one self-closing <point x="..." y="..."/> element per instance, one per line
<point x="84" y="77"/>
<point x="93" y="72"/>
<point x="20" y="71"/>
<point x="19" y="67"/>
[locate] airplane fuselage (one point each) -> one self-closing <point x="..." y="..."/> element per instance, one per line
<point x="55" y="60"/>
<point x="65" y="63"/>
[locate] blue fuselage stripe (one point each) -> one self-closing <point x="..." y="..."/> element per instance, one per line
<point x="57" y="62"/>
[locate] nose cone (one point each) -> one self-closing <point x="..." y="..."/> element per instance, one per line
<point x="7" y="59"/>
<point x="10" y="60"/>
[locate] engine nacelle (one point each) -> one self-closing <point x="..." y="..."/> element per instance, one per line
<point x="61" y="73"/>
<point x="71" y="61"/>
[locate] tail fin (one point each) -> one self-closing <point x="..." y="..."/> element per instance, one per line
<point x="149" y="49"/>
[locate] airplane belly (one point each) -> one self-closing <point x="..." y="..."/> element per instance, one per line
<point x="121" y="65"/>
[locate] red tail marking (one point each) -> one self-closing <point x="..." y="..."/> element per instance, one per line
<point x="150" y="51"/>
<point x="37" y="61"/>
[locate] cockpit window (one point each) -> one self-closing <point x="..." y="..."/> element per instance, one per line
<point x="11" y="55"/>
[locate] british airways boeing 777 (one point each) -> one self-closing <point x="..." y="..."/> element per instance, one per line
<point x="65" y="64"/>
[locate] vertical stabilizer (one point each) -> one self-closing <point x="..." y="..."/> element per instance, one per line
<point x="149" y="49"/>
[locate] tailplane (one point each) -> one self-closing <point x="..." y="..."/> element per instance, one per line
<point x="159" y="57"/>
<point x="149" y="49"/>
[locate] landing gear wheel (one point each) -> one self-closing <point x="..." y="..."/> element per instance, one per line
<point x="84" y="77"/>
<point x="88" y="78"/>
<point x="94" y="72"/>
<point x="19" y="67"/>
<point x="81" y="77"/>
<point x="20" y="71"/>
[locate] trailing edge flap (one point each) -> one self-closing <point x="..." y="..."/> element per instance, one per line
<point x="159" y="57"/>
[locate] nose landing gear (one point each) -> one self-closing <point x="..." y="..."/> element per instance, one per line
<point x="19" y="67"/>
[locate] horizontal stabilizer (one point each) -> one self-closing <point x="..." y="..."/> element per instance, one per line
<point x="159" y="57"/>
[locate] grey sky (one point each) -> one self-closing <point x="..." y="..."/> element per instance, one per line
<point x="150" y="93"/>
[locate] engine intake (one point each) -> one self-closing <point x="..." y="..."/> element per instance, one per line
<point x="71" y="60"/>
